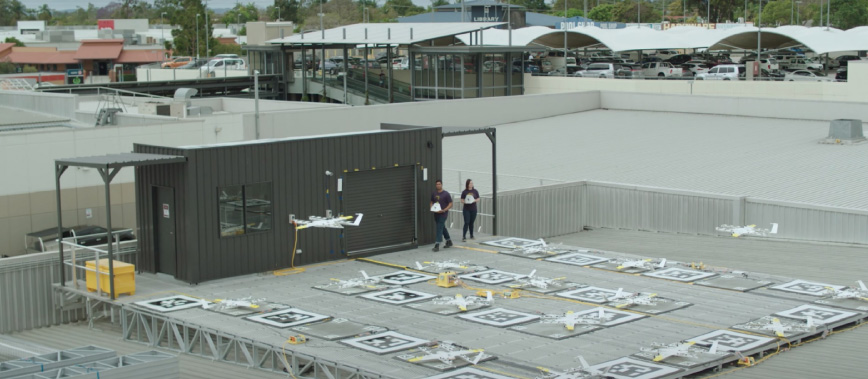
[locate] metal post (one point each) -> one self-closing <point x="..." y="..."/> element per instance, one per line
<point x="821" y="12"/>
<point x="828" y="15"/>
<point x="638" y="13"/>
<point x="304" y="72"/>
<point x="389" y="68"/>
<point x="163" y="33"/>
<point x="107" y="178"/>
<point x="256" y="100"/>
<point x="197" y="35"/>
<point x="792" y="11"/>
<point x="759" y="38"/>
<point x="321" y="27"/>
<point x="745" y="12"/>
<point x="463" y="10"/>
<point x="207" y="35"/>
<point x="366" y="72"/>
<point x="709" y="15"/>
<point x="509" y="19"/>
<point x="584" y="15"/>
<point x="493" y="137"/>
<point x="346" y="71"/>
<point x="798" y="11"/>
<point x="58" y="171"/>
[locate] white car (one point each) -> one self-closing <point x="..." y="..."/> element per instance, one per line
<point x="720" y="72"/>
<point x="219" y="64"/>
<point x="805" y="76"/>
<point x="803" y="64"/>
<point x="694" y="68"/>
<point x="665" y="54"/>
<point x="598" y="70"/>
<point x="770" y="64"/>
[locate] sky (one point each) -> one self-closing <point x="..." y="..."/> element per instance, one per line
<point x="72" y="4"/>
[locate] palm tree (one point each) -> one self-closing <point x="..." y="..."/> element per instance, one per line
<point x="44" y="13"/>
<point x="18" y="10"/>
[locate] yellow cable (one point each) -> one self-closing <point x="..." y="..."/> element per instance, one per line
<point x="285" y="362"/>
<point x="292" y="269"/>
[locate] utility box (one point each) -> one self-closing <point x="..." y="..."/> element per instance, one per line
<point x="845" y="131"/>
<point x="125" y="277"/>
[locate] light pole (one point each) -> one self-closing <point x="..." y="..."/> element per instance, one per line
<point x="798" y="15"/>
<point x="163" y="34"/>
<point x="207" y="36"/>
<point x="256" y="99"/>
<point x="638" y="14"/>
<point x="759" y="37"/>
<point x="792" y="11"/>
<point x="663" y="20"/>
<point x="745" y="12"/>
<point x="828" y="15"/>
<point x="197" y="35"/>
<point x="321" y="27"/>
<point x="709" y="14"/>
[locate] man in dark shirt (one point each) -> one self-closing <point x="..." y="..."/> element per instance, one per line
<point x="441" y="212"/>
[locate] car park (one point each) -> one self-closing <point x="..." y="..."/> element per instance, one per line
<point x="177" y="62"/>
<point x="720" y="72"/>
<point x="661" y="70"/>
<point x="805" y="76"/>
<point x="606" y="71"/>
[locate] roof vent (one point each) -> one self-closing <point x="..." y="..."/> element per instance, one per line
<point x="845" y="131"/>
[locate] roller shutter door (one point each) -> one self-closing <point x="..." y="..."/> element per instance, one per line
<point x="387" y="199"/>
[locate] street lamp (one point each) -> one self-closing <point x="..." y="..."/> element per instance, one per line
<point x="798" y="16"/>
<point x="207" y="36"/>
<point x="759" y="37"/>
<point x="792" y="11"/>
<point x="163" y="33"/>
<point x="197" y="35"/>
<point x="638" y="13"/>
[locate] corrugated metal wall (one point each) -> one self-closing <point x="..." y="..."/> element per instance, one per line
<point x="566" y="208"/>
<point x="809" y="222"/>
<point x="26" y="295"/>
<point x="296" y="168"/>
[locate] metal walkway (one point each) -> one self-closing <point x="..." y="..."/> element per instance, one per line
<point x="239" y="86"/>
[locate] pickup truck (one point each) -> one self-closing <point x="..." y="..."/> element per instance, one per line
<point x="661" y="70"/>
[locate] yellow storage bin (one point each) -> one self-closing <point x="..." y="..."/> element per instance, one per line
<point x="125" y="277"/>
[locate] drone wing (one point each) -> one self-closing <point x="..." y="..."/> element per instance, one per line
<point x="862" y="285"/>
<point x="777" y="327"/>
<point x="713" y="348"/>
<point x="774" y="229"/>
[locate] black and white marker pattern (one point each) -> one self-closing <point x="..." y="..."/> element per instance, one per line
<point x="172" y="303"/>
<point x="398" y="296"/>
<point x="500" y="317"/>
<point x="386" y="342"/>
<point x="286" y="318"/>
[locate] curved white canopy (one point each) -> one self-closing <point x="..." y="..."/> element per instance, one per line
<point x="818" y="39"/>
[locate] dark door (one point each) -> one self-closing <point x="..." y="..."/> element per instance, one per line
<point x="387" y="198"/>
<point x="164" y="229"/>
<point x="102" y="67"/>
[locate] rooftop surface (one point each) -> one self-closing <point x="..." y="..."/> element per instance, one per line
<point x="520" y="353"/>
<point x="768" y="158"/>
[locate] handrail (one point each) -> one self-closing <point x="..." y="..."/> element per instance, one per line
<point x="116" y="91"/>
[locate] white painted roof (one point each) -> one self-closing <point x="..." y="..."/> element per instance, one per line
<point x="817" y="39"/>
<point x="398" y="33"/>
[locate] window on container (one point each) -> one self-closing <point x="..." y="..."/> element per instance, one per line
<point x="244" y="209"/>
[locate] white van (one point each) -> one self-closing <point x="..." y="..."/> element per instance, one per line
<point x="720" y="72"/>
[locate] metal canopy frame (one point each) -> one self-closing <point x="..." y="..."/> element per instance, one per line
<point x="457" y="131"/>
<point x="108" y="167"/>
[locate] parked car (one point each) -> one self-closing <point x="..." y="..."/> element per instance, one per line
<point x="805" y="76"/>
<point x="679" y="59"/>
<point x="841" y="75"/>
<point x="801" y="64"/>
<point x="223" y="64"/>
<point x="661" y="70"/>
<point x="219" y="56"/>
<point x="492" y="66"/>
<point x="606" y="71"/>
<point x="177" y="62"/>
<point x="196" y="63"/>
<point x="665" y="54"/>
<point x="844" y="59"/>
<point x="721" y="72"/>
<point x="401" y="63"/>
<point x="529" y="67"/>
<point x="693" y="68"/>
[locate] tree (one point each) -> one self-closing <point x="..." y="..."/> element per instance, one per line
<point x="241" y="14"/>
<point x="44" y="13"/>
<point x="403" y="7"/>
<point x="15" y="41"/>
<point x="847" y="14"/>
<point x="439" y="3"/>
<point x="184" y="15"/>
<point x="538" y="6"/>
<point x="287" y="10"/>
<point x="603" y="13"/>
<point x="776" y="13"/>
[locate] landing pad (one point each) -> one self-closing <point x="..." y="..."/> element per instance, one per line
<point x="338" y="329"/>
<point x="680" y="274"/>
<point x="733" y="341"/>
<point x="734" y="283"/>
<point x="444" y="309"/>
<point x="578" y="259"/>
<point x="792" y="329"/>
<point x="851" y="304"/>
<point x="630" y="368"/>
<point x="512" y="243"/>
<point x="551" y="288"/>
<point x="805" y="287"/>
<point x="662" y="305"/>
<point x="386" y="342"/>
<point x="820" y="315"/>
<point x="437" y="364"/>
<point x="237" y="311"/>
<point x="554" y="331"/>
<point x="548" y="252"/>
<point x="499" y="317"/>
<point x="350" y="291"/>
<point x="469" y="373"/>
<point x="613" y="266"/>
<point x="701" y="358"/>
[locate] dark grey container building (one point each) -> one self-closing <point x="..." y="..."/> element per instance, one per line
<point x="226" y="210"/>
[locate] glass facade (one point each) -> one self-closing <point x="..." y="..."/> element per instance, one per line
<point x="244" y="209"/>
<point x="443" y="76"/>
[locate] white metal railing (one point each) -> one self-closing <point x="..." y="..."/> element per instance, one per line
<point x="71" y="242"/>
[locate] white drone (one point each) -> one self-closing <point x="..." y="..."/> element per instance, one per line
<point x="569" y="320"/>
<point x="583" y="372"/>
<point x="536" y="281"/>
<point x="684" y="349"/>
<point x="747" y="230"/>
<point x="631" y="299"/>
<point x="775" y="325"/>
<point x="463" y="302"/>
<point x="448" y="354"/>
<point x="446" y="265"/>
<point x="364" y="281"/>
<point x="647" y="264"/>
<point x="541" y="248"/>
<point x="220" y="304"/>
<point x="860" y="293"/>
<point x="329" y="222"/>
